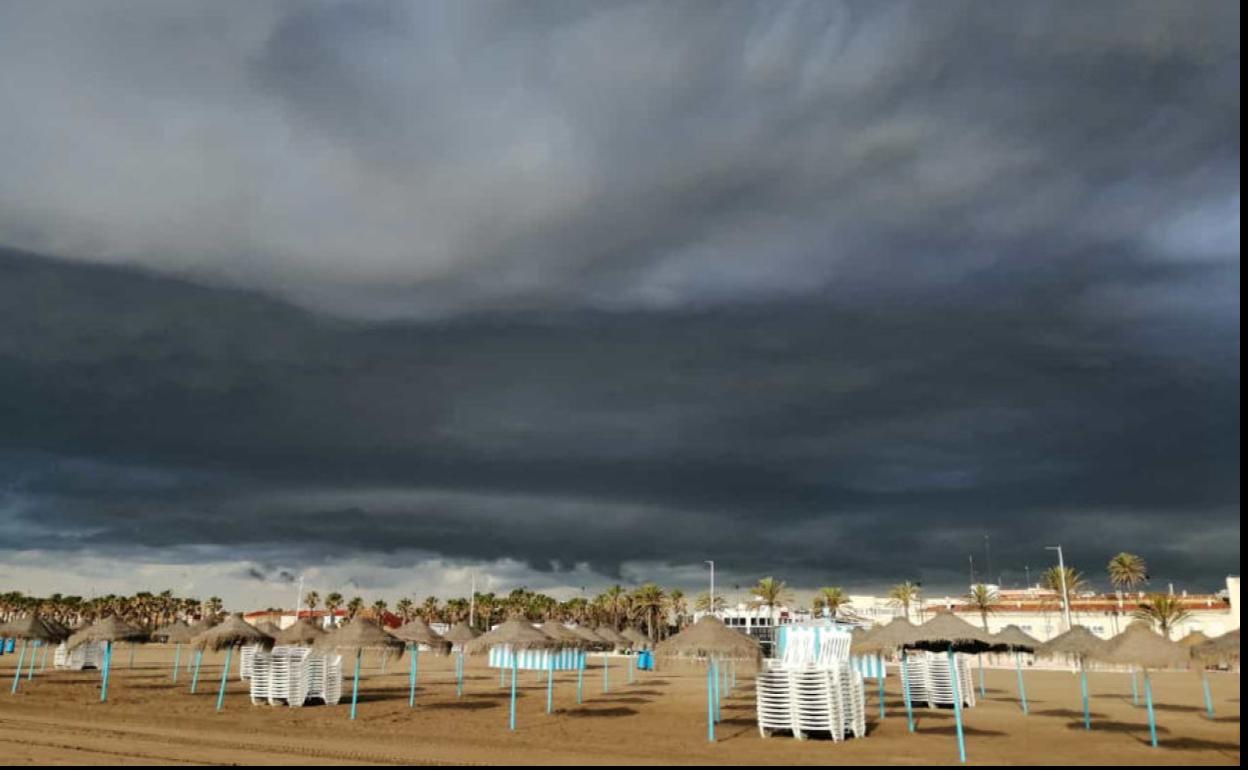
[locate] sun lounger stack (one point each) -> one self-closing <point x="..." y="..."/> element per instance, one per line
<point x="294" y="675"/>
<point x="811" y="700"/>
<point x="325" y="678"/>
<point x="930" y="679"/>
<point x="261" y="666"/>
<point x="86" y="655"/>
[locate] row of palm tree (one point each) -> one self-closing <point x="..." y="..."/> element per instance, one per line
<point x="143" y="609"/>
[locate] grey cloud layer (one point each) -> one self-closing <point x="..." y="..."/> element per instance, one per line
<point x="807" y="286"/>
<point x="395" y="159"/>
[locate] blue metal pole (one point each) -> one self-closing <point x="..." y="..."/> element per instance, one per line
<point x="515" y="666"/>
<point x="459" y="674"/>
<point x="225" y="677"/>
<point x="957" y="704"/>
<point x="1083" y="684"/>
<point x="17" y="673"/>
<point x="1152" y="718"/>
<point x="718" y="697"/>
<point x="580" y="677"/>
<point x="905" y="692"/>
<point x="1022" y="688"/>
<point x="108" y="667"/>
<point x="355" y="686"/>
<point x="199" y="657"/>
<point x="880" y="660"/>
<point x="710" y="704"/>
<point x="1204" y="678"/>
<point x="177" y="658"/>
<point x="30" y="670"/>
<point x="411" y="677"/>
<point x="550" y="683"/>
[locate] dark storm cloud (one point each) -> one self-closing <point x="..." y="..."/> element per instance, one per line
<point x="792" y="284"/>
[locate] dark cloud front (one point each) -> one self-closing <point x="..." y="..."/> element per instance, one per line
<point x="827" y="290"/>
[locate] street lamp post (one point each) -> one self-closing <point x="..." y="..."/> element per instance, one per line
<point x="711" y="603"/>
<point x="1061" y="567"/>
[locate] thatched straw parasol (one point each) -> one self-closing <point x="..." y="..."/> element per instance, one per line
<point x="301" y="633"/>
<point x="886" y="638"/>
<point x="1193" y="639"/>
<point x="417" y="632"/>
<point x="30" y="628"/>
<point x="1082" y="645"/>
<point x="1016" y="640"/>
<point x="460" y="634"/>
<point x="948" y="633"/>
<point x="592" y="640"/>
<point x="360" y="634"/>
<point x="637" y="640"/>
<point x="562" y="634"/>
<point x="1222" y="649"/>
<point x="1140" y="646"/>
<point x="268" y="628"/>
<point x="108" y="630"/>
<point x="234" y="632"/>
<point x="515" y="635"/>
<point x="708" y="638"/>
<point x="618" y="640"/>
<point x="178" y="633"/>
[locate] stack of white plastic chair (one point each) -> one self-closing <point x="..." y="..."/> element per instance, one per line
<point x="246" y="656"/>
<point x="917" y="677"/>
<point x="290" y="676"/>
<point x="774" y="700"/>
<point x="851" y="692"/>
<point x="324" y="678"/>
<point x="940" y="681"/>
<point x="816" y="703"/>
<point x="86" y="655"/>
<point x="261" y="666"/>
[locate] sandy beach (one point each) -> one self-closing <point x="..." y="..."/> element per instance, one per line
<point x="659" y="719"/>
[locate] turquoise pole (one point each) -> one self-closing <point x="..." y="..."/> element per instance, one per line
<point x="17" y="673"/>
<point x="905" y="692"/>
<point x="1083" y="684"/>
<point x="459" y="674"/>
<point x="515" y="665"/>
<point x="880" y="659"/>
<point x="957" y="704"/>
<point x="108" y="666"/>
<point x="177" y="658"/>
<point x="710" y="704"/>
<point x="715" y="666"/>
<point x="580" y="677"/>
<point x="1204" y="678"/>
<point x="1152" y="717"/>
<point x="550" y="683"/>
<point x="225" y="677"/>
<point x="355" y="686"/>
<point x="199" y="657"/>
<point x="411" y="677"/>
<point x="1022" y="688"/>
<point x="30" y="669"/>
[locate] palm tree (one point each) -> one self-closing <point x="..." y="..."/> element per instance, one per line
<point x="312" y="599"/>
<point x="379" y="610"/>
<point x="903" y="595"/>
<point x="429" y="609"/>
<point x="648" y="603"/>
<point x="1163" y="611"/>
<point x="768" y="593"/>
<point x="1126" y="571"/>
<point x="1076" y="583"/>
<point x="615" y="602"/>
<point x="983" y="599"/>
<point x="213" y="606"/>
<point x="703" y="603"/>
<point x="354" y="606"/>
<point x="831" y="599"/>
<point x="677" y="607"/>
<point x="333" y="603"/>
<point x="404" y="607"/>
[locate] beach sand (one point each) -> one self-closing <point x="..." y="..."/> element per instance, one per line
<point x="660" y="719"/>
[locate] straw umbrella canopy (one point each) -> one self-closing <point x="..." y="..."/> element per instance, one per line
<point x="948" y="633"/>
<point x="1015" y="639"/>
<point x="1193" y="639"/>
<point x="31" y="628"/>
<point x="562" y="634"/>
<point x="62" y="630"/>
<point x="232" y="633"/>
<point x="417" y="631"/>
<point x="360" y="634"/>
<point x="516" y="634"/>
<point x="637" y="639"/>
<point x="1141" y="646"/>
<point x="1220" y="649"/>
<point x="108" y="630"/>
<point x="176" y="632"/>
<point x="460" y="633"/>
<point x="707" y="638"/>
<point x="1078" y="643"/>
<point x="267" y="627"/>
<point x="592" y="640"/>
<point x="886" y="638"/>
<point x="301" y="633"/>
<point x="614" y="637"/>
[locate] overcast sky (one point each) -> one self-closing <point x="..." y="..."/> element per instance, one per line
<point x="564" y="293"/>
